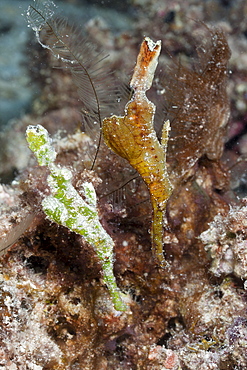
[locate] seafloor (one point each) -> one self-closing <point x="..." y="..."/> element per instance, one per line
<point x="55" y="311"/>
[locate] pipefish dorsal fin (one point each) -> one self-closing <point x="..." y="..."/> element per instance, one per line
<point x="96" y="85"/>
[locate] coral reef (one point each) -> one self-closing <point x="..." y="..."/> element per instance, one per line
<point x="225" y="240"/>
<point x="56" y="310"/>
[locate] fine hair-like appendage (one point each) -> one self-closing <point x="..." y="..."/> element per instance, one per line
<point x="96" y="86"/>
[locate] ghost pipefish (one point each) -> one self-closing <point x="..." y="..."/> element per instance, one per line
<point x="133" y="137"/>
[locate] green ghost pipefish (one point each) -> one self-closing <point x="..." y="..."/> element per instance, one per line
<point x="66" y="207"/>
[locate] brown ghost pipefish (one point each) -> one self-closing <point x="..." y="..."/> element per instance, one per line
<point x="133" y="137"/>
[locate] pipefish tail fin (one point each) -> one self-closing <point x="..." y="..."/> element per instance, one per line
<point x="96" y="85"/>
